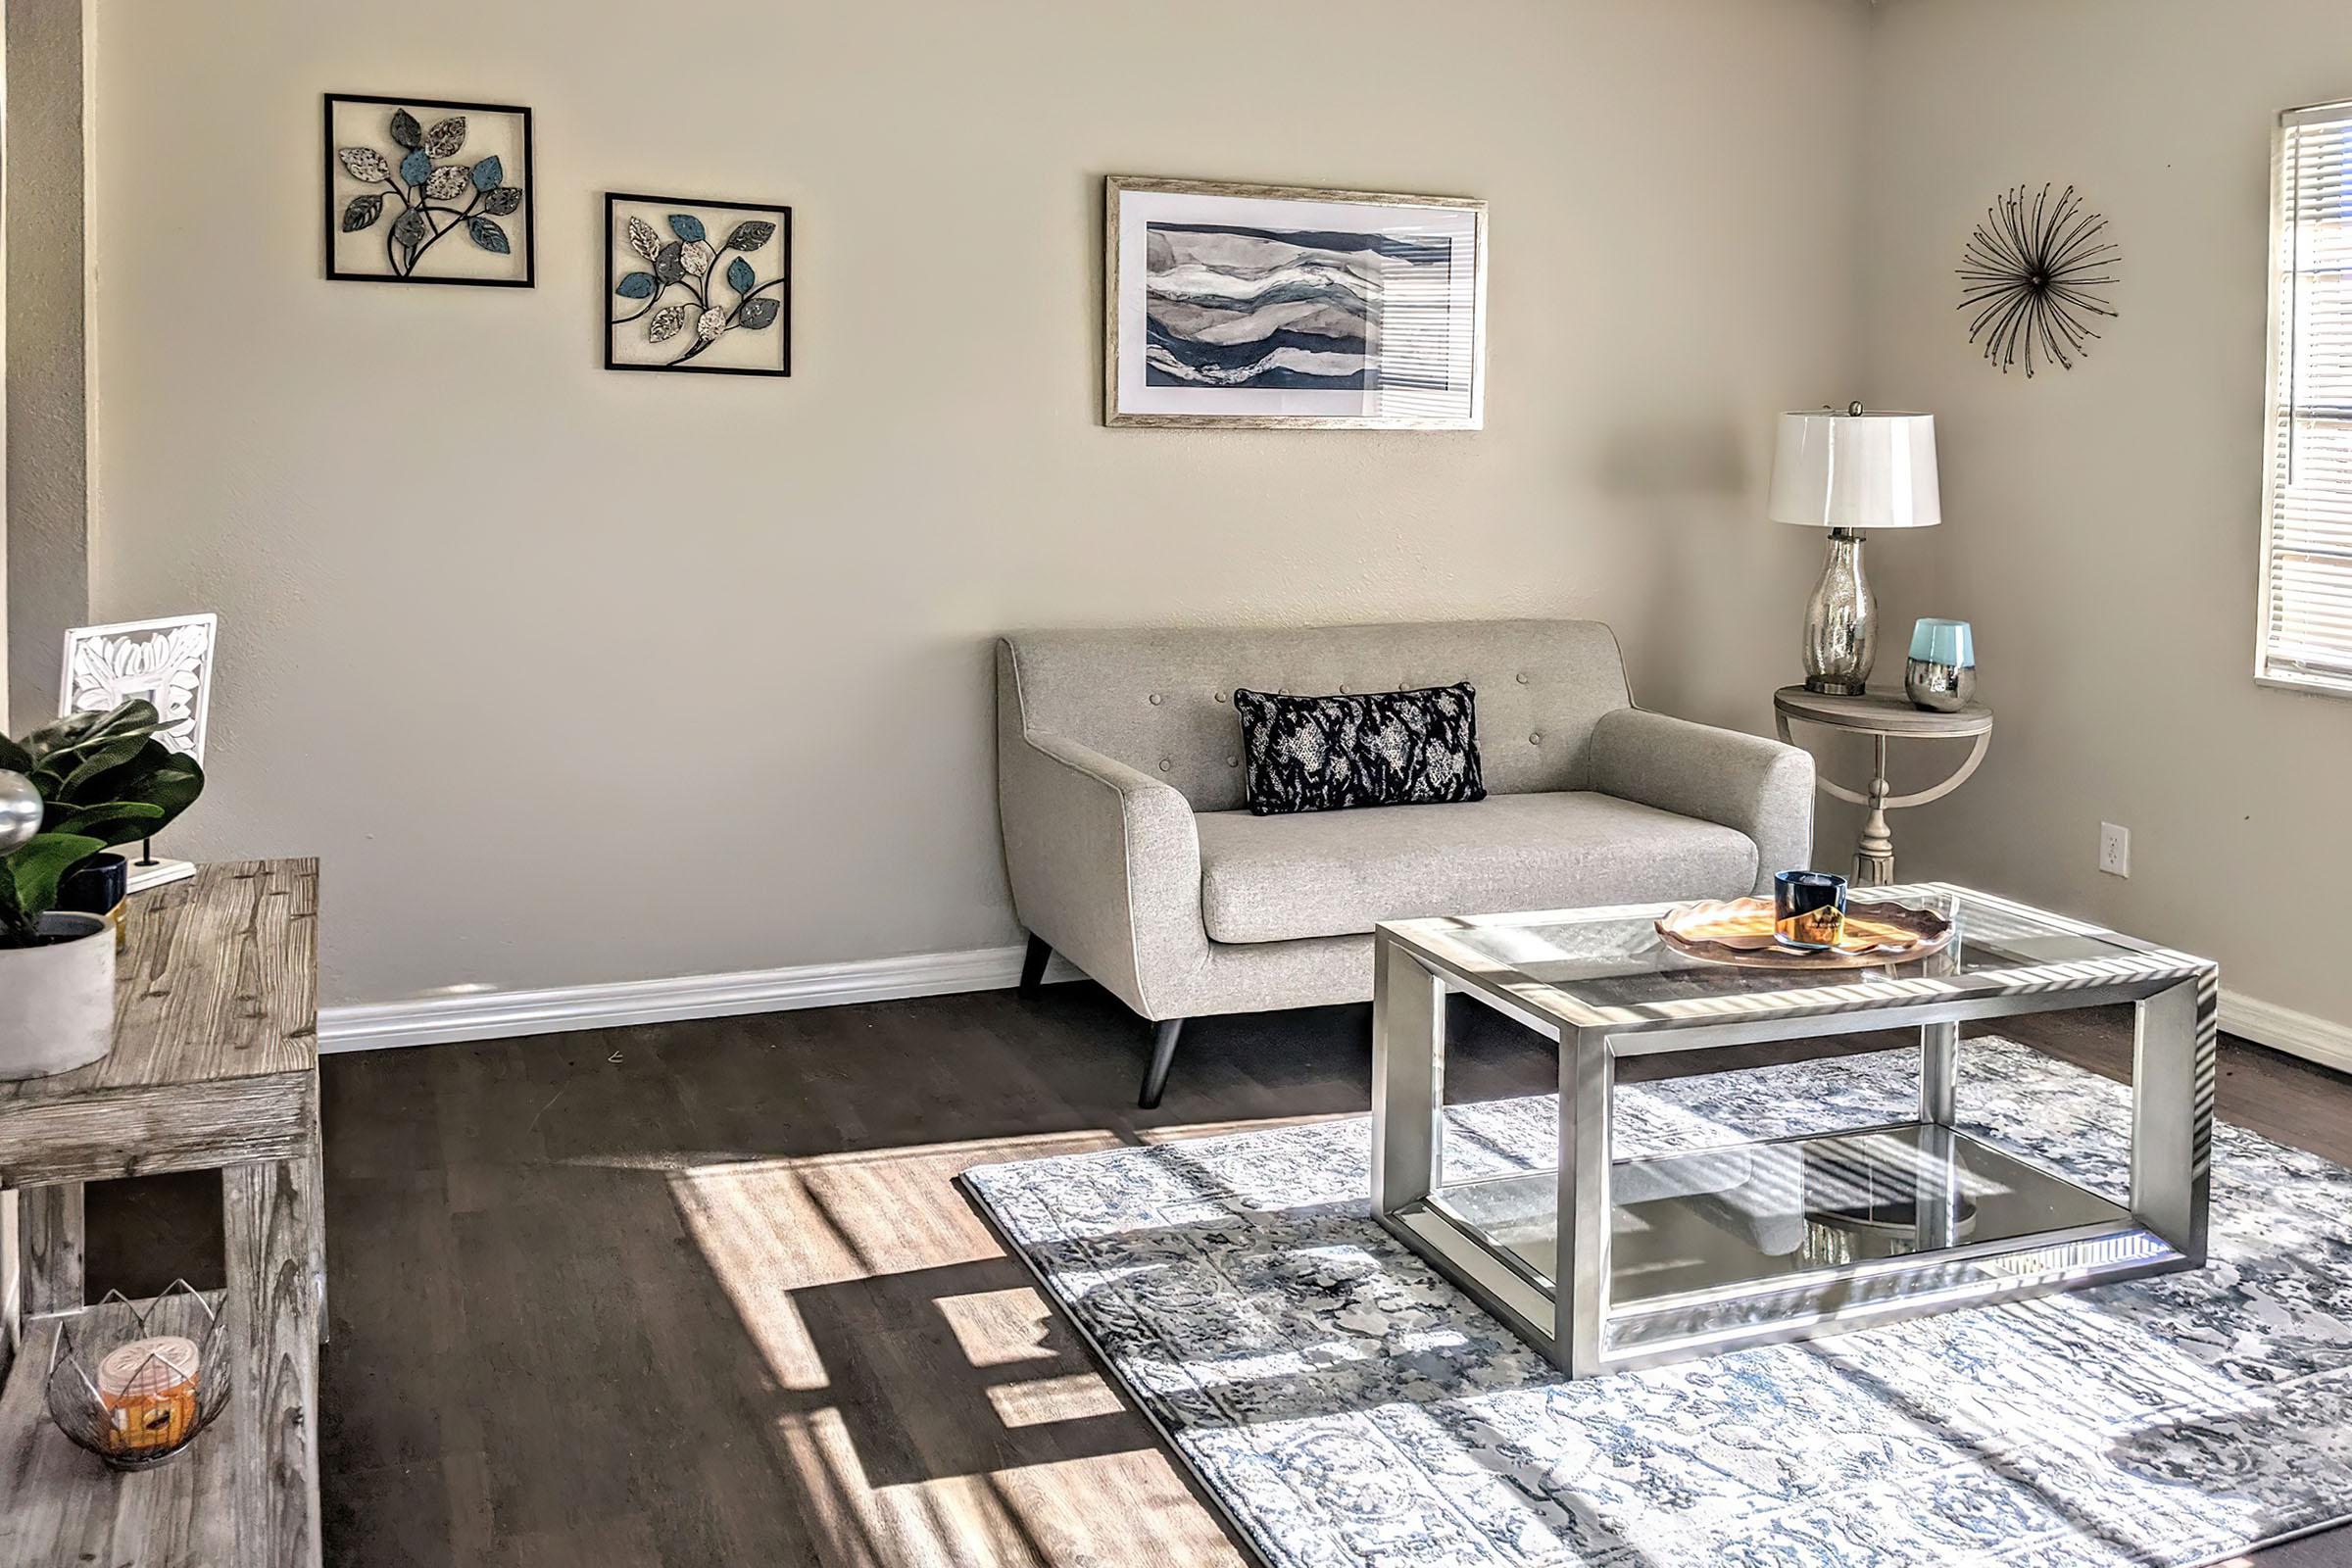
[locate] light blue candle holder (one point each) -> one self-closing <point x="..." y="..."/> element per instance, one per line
<point x="1940" y="675"/>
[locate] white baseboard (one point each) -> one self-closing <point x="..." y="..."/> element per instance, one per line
<point x="498" y="1014"/>
<point x="2298" y="1034"/>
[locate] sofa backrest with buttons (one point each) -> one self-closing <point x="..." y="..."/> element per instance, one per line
<point x="1162" y="701"/>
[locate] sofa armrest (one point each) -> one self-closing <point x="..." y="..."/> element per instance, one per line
<point x="1105" y="866"/>
<point x="1763" y="788"/>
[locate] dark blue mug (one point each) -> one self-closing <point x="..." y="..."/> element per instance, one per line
<point x="1808" y="908"/>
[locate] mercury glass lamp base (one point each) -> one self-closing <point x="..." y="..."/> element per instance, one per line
<point x="1842" y="621"/>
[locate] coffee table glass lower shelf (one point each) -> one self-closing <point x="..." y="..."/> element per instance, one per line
<point x="1793" y="1232"/>
<point x="1606" y="1263"/>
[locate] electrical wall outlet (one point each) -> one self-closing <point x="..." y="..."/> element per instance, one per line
<point x="2115" y="849"/>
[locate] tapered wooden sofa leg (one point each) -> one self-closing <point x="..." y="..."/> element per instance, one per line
<point x="1163" y="1052"/>
<point x="1033" y="964"/>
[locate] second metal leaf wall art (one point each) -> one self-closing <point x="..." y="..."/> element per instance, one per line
<point x="697" y="286"/>
<point x="428" y="190"/>
<point x="2030" y="277"/>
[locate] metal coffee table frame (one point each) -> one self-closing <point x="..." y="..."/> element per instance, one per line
<point x="1418" y="962"/>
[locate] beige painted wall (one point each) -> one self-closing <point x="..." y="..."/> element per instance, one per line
<point x="47" y="427"/>
<point x="2101" y="526"/>
<point x="574" y="677"/>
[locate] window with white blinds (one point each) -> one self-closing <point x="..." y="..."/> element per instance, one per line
<point x="2307" y="514"/>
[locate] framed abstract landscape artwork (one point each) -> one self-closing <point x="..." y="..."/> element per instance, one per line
<point x="697" y="286"/>
<point x="1272" y="306"/>
<point x="420" y="190"/>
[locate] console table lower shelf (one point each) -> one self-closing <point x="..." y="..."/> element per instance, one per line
<point x="63" y="1501"/>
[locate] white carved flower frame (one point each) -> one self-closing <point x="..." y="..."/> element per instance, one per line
<point x="168" y="662"/>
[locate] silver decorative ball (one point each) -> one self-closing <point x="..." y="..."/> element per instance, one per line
<point x="19" y="809"/>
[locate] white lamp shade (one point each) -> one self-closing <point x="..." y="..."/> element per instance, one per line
<point x="1855" y="470"/>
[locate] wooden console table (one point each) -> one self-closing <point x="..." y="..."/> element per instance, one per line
<point x="214" y="1067"/>
<point x="1884" y="717"/>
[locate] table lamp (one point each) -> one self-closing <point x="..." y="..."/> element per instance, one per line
<point x="1850" y="473"/>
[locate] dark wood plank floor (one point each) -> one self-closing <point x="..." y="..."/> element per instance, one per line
<point x="700" y="1294"/>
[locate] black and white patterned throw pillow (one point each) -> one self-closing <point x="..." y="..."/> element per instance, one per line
<point x="1327" y="754"/>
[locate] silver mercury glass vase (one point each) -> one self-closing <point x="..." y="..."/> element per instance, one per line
<point x="1939" y="687"/>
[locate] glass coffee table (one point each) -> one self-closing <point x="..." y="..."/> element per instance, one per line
<point x="1607" y="1264"/>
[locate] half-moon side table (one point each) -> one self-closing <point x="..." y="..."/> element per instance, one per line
<point x="1884" y="717"/>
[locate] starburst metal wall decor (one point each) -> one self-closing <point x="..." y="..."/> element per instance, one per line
<point x="2029" y="274"/>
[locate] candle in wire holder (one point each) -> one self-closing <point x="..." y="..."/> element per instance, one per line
<point x="139" y="1399"/>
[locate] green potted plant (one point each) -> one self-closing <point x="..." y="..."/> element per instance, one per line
<point x="68" y="790"/>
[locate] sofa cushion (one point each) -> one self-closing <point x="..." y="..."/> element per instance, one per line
<point x="1332" y="754"/>
<point x="1332" y="873"/>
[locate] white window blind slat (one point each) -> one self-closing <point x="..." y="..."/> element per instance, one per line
<point x="2306" y="620"/>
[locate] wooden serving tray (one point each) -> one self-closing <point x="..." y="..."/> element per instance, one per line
<point x="1740" y="931"/>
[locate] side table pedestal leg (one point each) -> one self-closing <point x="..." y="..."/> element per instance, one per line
<point x="1873" y="855"/>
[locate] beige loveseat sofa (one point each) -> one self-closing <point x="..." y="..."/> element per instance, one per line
<point x="1120" y="785"/>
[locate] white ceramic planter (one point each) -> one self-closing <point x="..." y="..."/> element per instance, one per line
<point x="57" y="1000"/>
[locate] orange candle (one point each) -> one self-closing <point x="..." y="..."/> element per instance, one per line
<point x="149" y="1387"/>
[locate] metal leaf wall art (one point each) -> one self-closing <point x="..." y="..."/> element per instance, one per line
<point x="685" y="296"/>
<point x="2029" y="274"/>
<point x="402" y="187"/>
<point x="426" y="192"/>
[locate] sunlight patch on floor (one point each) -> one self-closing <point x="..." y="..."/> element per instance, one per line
<point x="931" y="1407"/>
<point x="1218" y="1129"/>
<point x="998" y="1328"/>
<point x="1074" y="1514"/>
<point x="1040" y="1402"/>
<point x="825" y="1219"/>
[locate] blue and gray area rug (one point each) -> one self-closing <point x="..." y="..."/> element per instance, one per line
<point x="1347" y="1407"/>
